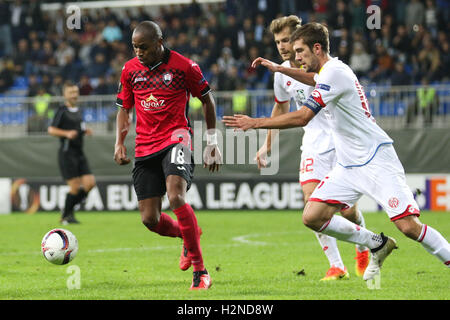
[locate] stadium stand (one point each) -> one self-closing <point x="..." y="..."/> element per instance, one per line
<point x="38" y="52"/>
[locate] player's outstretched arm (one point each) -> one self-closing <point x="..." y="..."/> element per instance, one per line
<point x="299" y="118"/>
<point x="123" y="123"/>
<point x="295" y="73"/>
<point x="212" y="157"/>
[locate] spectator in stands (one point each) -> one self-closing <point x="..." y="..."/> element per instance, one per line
<point x="415" y="14"/>
<point x="426" y="104"/>
<point x="57" y="85"/>
<point x="401" y="41"/>
<point x="98" y="68"/>
<point x="22" y="58"/>
<point x="445" y="61"/>
<point x="85" y="86"/>
<point x="18" y="20"/>
<point x="429" y="59"/>
<point x="63" y="51"/>
<point x="360" y="60"/>
<point x="6" y="43"/>
<point x="38" y="123"/>
<point x="383" y="66"/>
<point x="33" y="85"/>
<point x="399" y="76"/>
<point x="358" y="15"/>
<point x="6" y="75"/>
<point x="341" y="18"/>
<point x="112" y="31"/>
<point x="431" y="17"/>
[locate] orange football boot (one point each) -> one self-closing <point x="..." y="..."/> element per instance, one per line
<point x="335" y="273"/>
<point x="362" y="261"/>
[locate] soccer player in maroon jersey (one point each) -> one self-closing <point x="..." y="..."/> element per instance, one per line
<point x="158" y="83"/>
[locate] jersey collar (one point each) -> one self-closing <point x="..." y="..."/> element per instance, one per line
<point x="165" y="59"/>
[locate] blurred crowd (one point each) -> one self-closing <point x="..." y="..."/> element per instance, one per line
<point x="410" y="47"/>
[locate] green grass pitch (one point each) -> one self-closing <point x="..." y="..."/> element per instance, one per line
<point x="251" y="255"/>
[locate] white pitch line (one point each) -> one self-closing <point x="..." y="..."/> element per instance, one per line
<point x="238" y="241"/>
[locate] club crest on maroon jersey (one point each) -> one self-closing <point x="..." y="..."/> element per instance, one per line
<point x="167" y="78"/>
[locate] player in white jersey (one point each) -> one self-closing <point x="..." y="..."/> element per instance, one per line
<point x="318" y="155"/>
<point x="367" y="161"/>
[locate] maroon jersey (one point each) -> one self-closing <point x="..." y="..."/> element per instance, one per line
<point x="160" y="94"/>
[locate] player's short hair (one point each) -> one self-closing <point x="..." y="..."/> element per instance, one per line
<point x="150" y="29"/>
<point x="313" y="33"/>
<point x="277" y="25"/>
<point x="68" y="84"/>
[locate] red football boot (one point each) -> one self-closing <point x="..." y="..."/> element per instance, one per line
<point x="201" y="280"/>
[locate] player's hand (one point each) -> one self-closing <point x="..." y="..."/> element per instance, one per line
<point x="261" y="157"/>
<point x="89" y="132"/>
<point x="71" y="134"/>
<point x="272" y="66"/>
<point x="239" y="121"/>
<point x="120" y="155"/>
<point x="212" y="157"/>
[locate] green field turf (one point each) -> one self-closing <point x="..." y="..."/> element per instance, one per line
<point x="251" y="255"/>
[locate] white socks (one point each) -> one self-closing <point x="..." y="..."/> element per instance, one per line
<point x="345" y="230"/>
<point x="329" y="247"/>
<point x="435" y="244"/>
<point x="360" y="221"/>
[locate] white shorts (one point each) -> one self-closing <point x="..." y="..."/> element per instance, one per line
<point x="314" y="167"/>
<point x="382" y="179"/>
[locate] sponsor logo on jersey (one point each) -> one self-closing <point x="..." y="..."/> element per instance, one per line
<point x="167" y="78"/>
<point x="152" y="103"/>
<point x="323" y="86"/>
<point x="140" y="79"/>
<point x="288" y="83"/>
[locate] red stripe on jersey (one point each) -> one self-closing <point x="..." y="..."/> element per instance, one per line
<point x="345" y="207"/>
<point x="280" y="102"/>
<point x="309" y="181"/>
<point x="408" y="212"/>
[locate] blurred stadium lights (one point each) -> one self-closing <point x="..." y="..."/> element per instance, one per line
<point x="118" y="3"/>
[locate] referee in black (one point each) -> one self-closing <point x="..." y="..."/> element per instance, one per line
<point x="68" y="125"/>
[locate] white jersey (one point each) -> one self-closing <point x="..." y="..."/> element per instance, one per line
<point x="341" y="98"/>
<point x="317" y="137"/>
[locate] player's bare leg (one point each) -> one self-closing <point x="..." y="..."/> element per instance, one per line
<point x="320" y="217"/>
<point x="176" y="193"/>
<point x="431" y="239"/>
<point x="157" y="221"/>
<point x="362" y="253"/>
<point x="328" y="244"/>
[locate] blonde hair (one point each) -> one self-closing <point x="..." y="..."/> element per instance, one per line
<point x="277" y="25"/>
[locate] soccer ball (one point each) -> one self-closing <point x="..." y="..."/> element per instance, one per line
<point x="59" y="246"/>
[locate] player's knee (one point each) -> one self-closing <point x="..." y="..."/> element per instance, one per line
<point x="409" y="227"/>
<point x="309" y="221"/>
<point x="349" y="214"/>
<point x="176" y="200"/>
<point x="150" y="221"/>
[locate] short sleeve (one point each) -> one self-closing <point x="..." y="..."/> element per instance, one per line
<point x="195" y="81"/>
<point x="56" y="122"/>
<point x="281" y="95"/>
<point x="327" y="89"/>
<point x="125" y="97"/>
